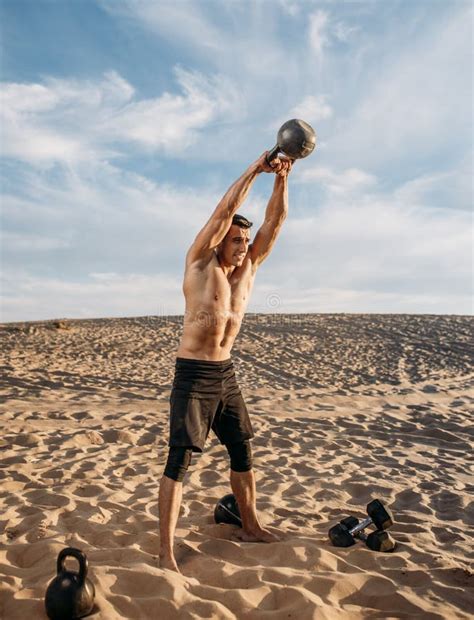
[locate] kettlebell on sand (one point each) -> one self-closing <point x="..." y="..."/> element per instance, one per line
<point x="227" y="511"/>
<point x="70" y="594"/>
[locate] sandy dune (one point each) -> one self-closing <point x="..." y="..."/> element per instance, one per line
<point x="345" y="408"/>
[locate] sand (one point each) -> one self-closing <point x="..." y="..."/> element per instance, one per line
<point x="346" y="408"/>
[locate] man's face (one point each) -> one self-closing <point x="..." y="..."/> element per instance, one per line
<point x="235" y="245"/>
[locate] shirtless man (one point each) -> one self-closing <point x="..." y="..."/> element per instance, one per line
<point x="221" y="265"/>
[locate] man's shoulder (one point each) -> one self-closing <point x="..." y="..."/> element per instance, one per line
<point x="200" y="269"/>
<point x="200" y="263"/>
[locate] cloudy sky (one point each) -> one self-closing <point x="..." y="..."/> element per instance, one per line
<point x="124" y="122"/>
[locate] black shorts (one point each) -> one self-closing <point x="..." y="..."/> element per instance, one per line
<point x="205" y="395"/>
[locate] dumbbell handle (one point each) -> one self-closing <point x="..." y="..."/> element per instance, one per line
<point x="361" y="526"/>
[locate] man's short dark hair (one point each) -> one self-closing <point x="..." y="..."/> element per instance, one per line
<point x="241" y="221"/>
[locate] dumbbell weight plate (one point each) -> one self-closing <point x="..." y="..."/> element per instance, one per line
<point x="380" y="541"/>
<point x="379" y="514"/>
<point x="340" y="536"/>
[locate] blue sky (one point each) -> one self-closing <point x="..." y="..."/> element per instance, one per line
<point x="124" y="122"/>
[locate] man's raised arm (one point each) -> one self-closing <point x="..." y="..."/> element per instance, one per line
<point x="275" y="215"/>
<point x="220" y="221"/>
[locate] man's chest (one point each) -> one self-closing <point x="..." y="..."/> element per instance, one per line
<point x="232" y="292"/>
<point x="213" y="289"/>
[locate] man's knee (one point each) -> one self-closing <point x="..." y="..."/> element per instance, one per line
<point x="179" y="459"/>
<point x="240" y="456"/>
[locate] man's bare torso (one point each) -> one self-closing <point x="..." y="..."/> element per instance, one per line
<point x="221" y="265"/>
<point x="215" y="307"/>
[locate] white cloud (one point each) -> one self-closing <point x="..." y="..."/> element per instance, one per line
<point x="182" y="22"/>
<point x="73" y="121"/>
<point x="241" y="40"/>
<point x="285" y="298"/>
<point x="171" y="122"/>
<point x="388" y="251"/>
<point x="36" y="144"/>
<point x="419" y="105"/>
<point x="17" y="98"/>
<point x="312" y="109"/>
<point x="343" y="31"/>
<point x="54" y="121"/>
<point x="116" y="211"/>
<point x="34" y="298"/>
<point x="24" y="242"/>
<point x="318" y="35"/>
<point x="450" y="188"/>
<point x="291" y="7"/>
<point x="338" y="183"/>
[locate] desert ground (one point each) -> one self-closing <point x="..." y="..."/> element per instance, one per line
<point x="345" y="408"/>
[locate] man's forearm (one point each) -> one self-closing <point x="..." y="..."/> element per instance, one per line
<point x="277" y="207"/>
<point x="238" y="191"/>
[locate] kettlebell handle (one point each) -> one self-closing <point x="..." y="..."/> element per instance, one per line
<point x="274" y="152"/>
<point x="80" y="557"/>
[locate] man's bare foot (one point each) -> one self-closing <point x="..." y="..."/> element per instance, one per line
<point x="260" y="535"/>
<point x="167" y="561"/>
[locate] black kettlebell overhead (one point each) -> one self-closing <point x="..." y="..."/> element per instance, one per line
<point x="70" y="595"/>
<point x="296" y="139"/>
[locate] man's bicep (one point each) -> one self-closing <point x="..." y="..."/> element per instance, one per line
<point x="209" y="237"/>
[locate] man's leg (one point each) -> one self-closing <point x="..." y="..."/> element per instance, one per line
<point x="242" y="480"/>
<point x="170" y="496"/>
<point x="171" y="493"/>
